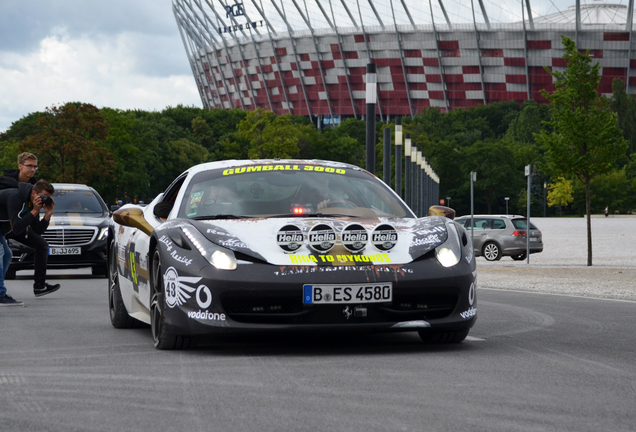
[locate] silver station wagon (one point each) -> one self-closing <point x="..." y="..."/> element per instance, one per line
<point x="495" y="236"/>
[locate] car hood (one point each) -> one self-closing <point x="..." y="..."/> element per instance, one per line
<point x="78" y="219"/>
<point x="391" y="241"/>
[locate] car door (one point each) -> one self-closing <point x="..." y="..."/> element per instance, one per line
<point x="480" y="231"/>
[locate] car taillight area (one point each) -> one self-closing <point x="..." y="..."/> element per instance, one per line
<point x="520" y="233"/>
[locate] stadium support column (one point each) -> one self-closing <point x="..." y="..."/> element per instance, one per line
<point x="413" y="175"/>
<point x="420" y="182"/>
<point x="371" y="96"/>
<point x="398" y="156"/>
<point x="407" y="169"/>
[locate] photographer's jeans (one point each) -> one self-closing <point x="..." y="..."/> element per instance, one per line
<point x="5" y="260"/>
<point x="41" y="247"/>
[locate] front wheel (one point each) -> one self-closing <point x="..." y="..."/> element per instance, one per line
<point x="160" y="337"/>
<point x="492" y="252"/>
<point x="119" y="317"/>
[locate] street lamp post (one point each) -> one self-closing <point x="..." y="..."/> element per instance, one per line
<point x="507" y="199"/>
<point x="448" y="201"/>
<point x="545" y="204"/>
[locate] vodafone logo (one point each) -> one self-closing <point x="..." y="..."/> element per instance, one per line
<point x="204" y="297"/>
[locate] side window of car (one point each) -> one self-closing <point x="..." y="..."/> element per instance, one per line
<point x="498" y="224"/>
<point x="482" y="224"/>
<point x="163" y="208"/>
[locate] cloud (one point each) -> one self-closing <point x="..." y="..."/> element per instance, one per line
<point x="126" y="71"/>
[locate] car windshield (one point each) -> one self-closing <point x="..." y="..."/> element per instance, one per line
<point x="280" y="190"/>
<point x="76" y="201"/>
<point x="523" y="224"/>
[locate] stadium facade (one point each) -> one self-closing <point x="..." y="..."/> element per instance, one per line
<point x="309" y="57"/>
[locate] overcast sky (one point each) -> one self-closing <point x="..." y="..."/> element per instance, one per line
<point x="123" y="54"/>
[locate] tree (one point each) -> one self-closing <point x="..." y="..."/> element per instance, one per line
<point x="491" y="162"/>
<point x="181" y="155"/>
<point x="560" y="193"/>
<point x="530" y="120"/>
<point x="69" y="144"/>
<point x="9" y="152"/>
<point x="584" y="140"/>
<point x="270" y="136"/>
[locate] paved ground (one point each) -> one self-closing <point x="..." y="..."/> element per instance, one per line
<point x="562" y="267"/>
<point x="532" y="362"/>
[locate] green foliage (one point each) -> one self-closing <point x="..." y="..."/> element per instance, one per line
<point x="23" y="128"/>
<point x="270" y="136"/>
<point x="9" y="151"/>
<point x="181" y="154"/>
<point x="69" y="144"/>
<point x="560" y="193"/>
<point x="522" y="203"/>
<point x="585" y="140"/>
<point x="345" y="143"/>
<point x="150" y="148"/>
<point x="491" y="161"/>
<point x="625" y="108"/>
<point x="530" y="120"/>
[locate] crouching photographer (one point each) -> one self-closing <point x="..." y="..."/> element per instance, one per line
<point x="20" y="220"/>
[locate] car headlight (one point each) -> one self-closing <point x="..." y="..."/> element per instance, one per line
<point x="220" y="258"/>
<point x="450" y="252"/>
<point x="103" y="234"/>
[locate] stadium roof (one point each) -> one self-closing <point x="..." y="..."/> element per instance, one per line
<point x="596" y="12"/>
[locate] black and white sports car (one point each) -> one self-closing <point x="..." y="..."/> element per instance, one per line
<point x="287" y="245"/>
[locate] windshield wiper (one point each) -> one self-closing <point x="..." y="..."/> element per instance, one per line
<point x="222" y="216"/>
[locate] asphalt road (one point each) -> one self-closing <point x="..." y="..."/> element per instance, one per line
<point x="533" y="362"/>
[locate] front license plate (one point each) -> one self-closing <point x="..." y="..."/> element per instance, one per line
<point x="330" y="294"/>
<point x="65" y="251"/>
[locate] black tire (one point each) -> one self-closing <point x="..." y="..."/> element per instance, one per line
<point x="10" y="274"/>
<point x="519" y="257"/>
<point x="160" y="338"/>
<point x="491" y="251"/>
<point x="100" y="270"/>
<point x="119" y="317"/>
<point x="443" y="337"/>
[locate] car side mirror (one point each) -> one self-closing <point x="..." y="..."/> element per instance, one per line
<point x="438" y="210"/>
<point x="132" y="217"/>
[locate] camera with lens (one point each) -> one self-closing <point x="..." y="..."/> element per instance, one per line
<point x="46" y="200"/>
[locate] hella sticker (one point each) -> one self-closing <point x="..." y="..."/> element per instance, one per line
<point x="290" y="238"/>
<point x="384" y="237"/>
<point x="322" y="238"/>
<point x="354" y="238"/>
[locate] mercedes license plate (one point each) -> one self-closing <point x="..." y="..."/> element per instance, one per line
<point x="65" y="251"/>
<point x="362" y="293"/>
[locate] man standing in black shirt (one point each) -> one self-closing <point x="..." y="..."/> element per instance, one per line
<point x="27" y="167"/>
